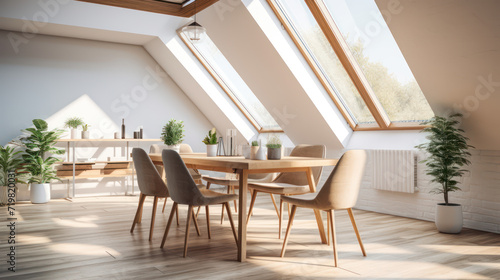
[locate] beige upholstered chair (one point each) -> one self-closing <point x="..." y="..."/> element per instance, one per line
<point x="183" y="190"/>
<point x="340" y="191"/>
<point x="233" y="183"/>
<point x="290" y="183"/>
<point x="150" y="184"/>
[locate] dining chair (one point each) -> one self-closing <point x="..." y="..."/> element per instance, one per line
<point x="150" y="184"/>
<point x="183" y="190"/>
<point x="184" y="149"/>
<point x="232" y="182"/>
<point x="340" y="191"/>
<point x="290" y="183"/>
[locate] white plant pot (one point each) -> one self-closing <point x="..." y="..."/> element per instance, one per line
<point x="73" y="133"/>
<point x="211" y="150"/>
<point x="449" y="218"/>
<point x="40" y="193"/>
<point x="86" y="134"/>
<point x="176" y="148"/>
<point x="4" y="195"/>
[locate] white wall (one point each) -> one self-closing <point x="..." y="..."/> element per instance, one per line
<point x="54" y="78"/>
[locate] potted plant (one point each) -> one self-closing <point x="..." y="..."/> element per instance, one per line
<point x="254" y="149"/>
<point x="273" y="147"/>
<point x="73" y="124"/>
<point x="10" y="160"/>
<point x="173" y="134"/>
<point x="211" y="142"/>
<point x="39" y="142"/>
<point x="447" y="151"/>
<point x="85" y="131"/>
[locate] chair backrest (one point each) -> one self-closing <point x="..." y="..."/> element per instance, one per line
<point x="341" y="189"/>
<point x="185" y="149"/>
<point x="157" y="148"/>
<point x="300" y="178"/>
<point x="181" y="185"/>
<point x="148" y="178"/>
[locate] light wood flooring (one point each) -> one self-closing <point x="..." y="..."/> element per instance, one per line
<point x="89" y="238"/>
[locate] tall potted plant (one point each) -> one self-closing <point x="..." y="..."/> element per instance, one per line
<point x="85" y="131"/>
<point x="173" y="134"/>
<point x="211" y="142"/>
<point x="448" y="153"/>
<point x="39" y="142"/>
<point x="10" y="160"/>
<point x="73" y="124"/>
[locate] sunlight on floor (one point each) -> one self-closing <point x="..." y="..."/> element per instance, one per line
<point x="82" y="222"/>
<point x="83" y="249"/>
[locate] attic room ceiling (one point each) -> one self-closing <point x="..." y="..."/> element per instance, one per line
<point x="180" y="8"/>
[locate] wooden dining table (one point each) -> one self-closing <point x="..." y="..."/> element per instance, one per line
<point x="243" y="167"/>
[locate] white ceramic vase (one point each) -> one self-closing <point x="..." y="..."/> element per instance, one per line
<point x="261" y="153"/>
<point x="40" y="193"/>
<point x="176" y="148"/>
<point x="211" y="150"/>
<point x="449" y="218"/>
<point x="73" y="133"/>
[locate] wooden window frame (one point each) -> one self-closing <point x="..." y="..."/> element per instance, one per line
<point x="225" y="87"/>
<point x="340" y="47"/>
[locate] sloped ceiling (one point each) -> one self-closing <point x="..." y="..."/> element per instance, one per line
<point x="453" y="49"/>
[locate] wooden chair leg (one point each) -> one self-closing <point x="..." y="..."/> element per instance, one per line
<point x="208" y="185"/>
<point x="230" y="217"/>
<point x="177" y="214"/>
<point x="138" y="213"/>
<point x="153" y="216"/>
<point x="195" y="220"/>
<point x="280" y="219"/>
<point x="274" y="203"/>
<point x="208" y="221"/>
<point x="190" y="214"/>
<point x="164" y="204"/>
<point x="328" y="226"/>
<point x="172" y="212"/>
<point x="334" y="241"/>
<point x="222" y="214"/>
<point x="351" y="215"/>
<point x="288" y="228"/>
<point x="252" y="202"/>
<point x="235" y="204"/>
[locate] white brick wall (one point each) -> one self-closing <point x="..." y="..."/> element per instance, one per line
<point x="480" y="195"/>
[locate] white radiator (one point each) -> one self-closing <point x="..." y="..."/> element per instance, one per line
<point x="394" y="170"/>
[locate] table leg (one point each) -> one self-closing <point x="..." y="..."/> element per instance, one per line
<point x="242" y="216"/>
<point x="317" y="213"/>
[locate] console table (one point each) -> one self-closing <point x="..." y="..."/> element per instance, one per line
<point x="71" y="145"/>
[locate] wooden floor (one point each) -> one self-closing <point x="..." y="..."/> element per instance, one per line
<point x="89" y="239"/>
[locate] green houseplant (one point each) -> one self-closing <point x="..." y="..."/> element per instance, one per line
<point x="447" y="154"/>
<point x="10" y="160"/>
<point x="173" y="134"/>
<point x="273" y="147"/>
<point x="73" y="123"/>
<point x="254" y="149"/>
<point x="211" y="142"/>
<point x="38" y="142"/>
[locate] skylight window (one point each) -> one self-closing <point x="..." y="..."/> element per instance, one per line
<point x="231" y="82"/>
<point x="351" y="49"/>
<point x="380" y="58"/>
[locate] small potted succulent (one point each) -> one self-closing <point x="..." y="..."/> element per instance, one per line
<point x="447" y="155"/>
<point x="85" y="131"/>
<point x="273" y="147"/>
<point x="254" y="149"/>
<point x="173" y="134"/>
<point x="211" y="142"/>
<point x="73" y="124"/>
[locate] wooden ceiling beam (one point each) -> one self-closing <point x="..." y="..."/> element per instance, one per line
<point x="156" y="6"/>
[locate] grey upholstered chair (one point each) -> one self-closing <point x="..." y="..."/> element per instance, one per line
<point x="340" y="191"/>
<point x="233" y="183"/>
<point x="290" y="183"/>
<point x="183" y="190"/>
<point x="184" y="149"/>
<point x="150" y="184"/>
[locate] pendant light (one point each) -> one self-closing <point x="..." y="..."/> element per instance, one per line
<point x="194" y="31"/>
